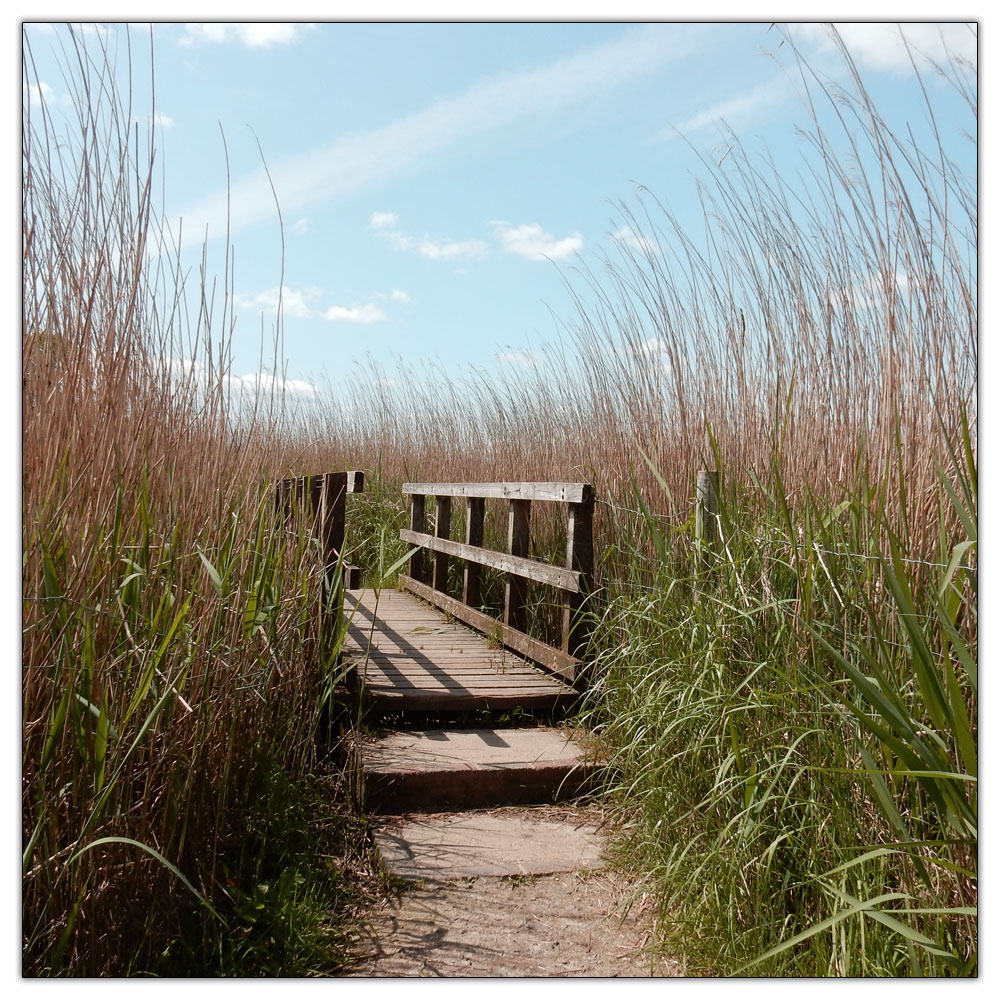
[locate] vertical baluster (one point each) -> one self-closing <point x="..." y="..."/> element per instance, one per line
<point x="516" y="591"/>
<point x="475" y="511"/>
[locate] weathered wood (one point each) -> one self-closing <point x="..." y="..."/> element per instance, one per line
<point x="530" y="569"/>
<point x="410" y="659"/>
<point x="418" y="525"/>
<point x="516" y="589"/>
<point x="565" y="492"/>
<point x="333" y="517"/>
<point x="475" y="514"/>
<point x="442" y="528"/>
<point x="580" y="558"/>
<point x="706" y="531"/>
<point x="555" y="660"/>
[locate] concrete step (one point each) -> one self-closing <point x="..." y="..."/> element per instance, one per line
<point x="450" y="846"/>
<point x="442" y="769"/>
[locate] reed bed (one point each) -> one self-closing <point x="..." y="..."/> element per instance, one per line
<point x="173" y="663"/>
<point x="792" y="735"/>
<point x="788" y="702"/>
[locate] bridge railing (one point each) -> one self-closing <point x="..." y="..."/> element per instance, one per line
<point x="428" y="576"/>
<point x="322" y="499"/>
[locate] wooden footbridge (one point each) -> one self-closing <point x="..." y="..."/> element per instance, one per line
<point x="419" y="648"/>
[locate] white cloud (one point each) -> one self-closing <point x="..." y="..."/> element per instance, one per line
<point x="253" y="35"/>
<point x="365" y="314"/>
<point x="383" y="220"/>
<point x="531" y="241"/>
<point x="883" y="45"/>
<point x="439" y="249"/>
<point x="301" y="227"/>
<point x="164" y="121"/>
<point x="294" y="302"/>
<point x="261" y="383"/>
<point x="39" y="94"/>
<point x="630" y="238"/>
<point x="360" y="160"/>
<point x="396" y="295"/>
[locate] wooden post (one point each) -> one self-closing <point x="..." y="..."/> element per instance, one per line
<point x="442" y="529"/>
<point x="475" y="511"/>
<point x="333" y="512"/>
<point x="579" y="557"/>
<point x="706" y="533"/>
<point x="418" y="522"/>
<point x="316" y="503"/>
<point x="516" y="591"/>
<point x="283" y="500"/>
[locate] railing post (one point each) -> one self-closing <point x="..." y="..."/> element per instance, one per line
<point x="516" y="591"/>
<point x="283" y="499"/>
<point x="475" y="510"/>
<point x="442" y="529"/>
<point x="333" y="517"/>
<point x="706" y="508"/>
<point x="418" y="522"/>
<point x="579" y="557"/>
<point x="316" y="503"/>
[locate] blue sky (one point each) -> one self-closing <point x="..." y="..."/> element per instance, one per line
<point x="437" y="181"/>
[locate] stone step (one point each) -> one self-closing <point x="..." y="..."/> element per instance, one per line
<point x="437" y="770"/>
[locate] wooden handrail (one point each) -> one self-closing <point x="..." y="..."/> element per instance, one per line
<point x="322" y="497"/>
<point x="560" y="492"/>
<point x="530" y="569"/>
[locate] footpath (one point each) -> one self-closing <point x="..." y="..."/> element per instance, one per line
<point x="499" y="874"/>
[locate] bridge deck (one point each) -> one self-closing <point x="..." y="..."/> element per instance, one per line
<point x="418" y="661"/>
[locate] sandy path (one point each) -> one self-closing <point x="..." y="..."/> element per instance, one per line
<point x="570" y="923"/>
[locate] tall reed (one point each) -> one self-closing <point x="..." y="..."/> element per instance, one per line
<point x="793" y="738"/>
<point x="171" y="667"/>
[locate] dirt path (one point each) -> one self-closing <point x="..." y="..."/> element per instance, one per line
<point x="561" y="923"/>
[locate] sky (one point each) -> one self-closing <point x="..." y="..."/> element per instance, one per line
<point x="425" y="191"/>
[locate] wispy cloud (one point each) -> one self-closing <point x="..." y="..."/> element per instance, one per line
<point x="439" y="249"/>
<point x="888" y="47"/>
<point x="254" y="35"/>
<point x="162" y="120"/>
<point x="301" y="227"/>
<point x="366" y="159"/>
<point x="366" y="314"/>
<point x="383" y="220"/>
<point x="739" y="111"/>
<point x="627" y="236"/>
<point x="525" y="358"/>
<point x="531" y="241"/>
<point x="396" y="295"/>
<point x="294" y="302"/>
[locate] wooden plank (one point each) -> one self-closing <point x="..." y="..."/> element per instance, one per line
<point x="565" y="492"/>
<point x="449" y="701"/>
<point x="475" y="514"/>
<point x="515" y="594"/>
<point x="531" y="569"/>
<point x="552" y="659"/>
